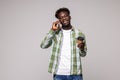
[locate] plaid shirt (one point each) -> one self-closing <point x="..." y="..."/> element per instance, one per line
<point x="54" y="39"/>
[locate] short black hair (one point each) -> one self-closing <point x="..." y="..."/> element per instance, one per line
<point x="61" y="10"/>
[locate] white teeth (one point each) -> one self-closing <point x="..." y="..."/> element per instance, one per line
<point x="65" y="21"/>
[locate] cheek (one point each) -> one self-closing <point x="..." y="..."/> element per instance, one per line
<point x="61" y="21"/>
<point x="69" y="18"/>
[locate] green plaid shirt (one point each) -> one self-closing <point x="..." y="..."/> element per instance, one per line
<point x="54" y="39"/>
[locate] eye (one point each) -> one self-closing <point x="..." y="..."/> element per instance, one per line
<point x="65" y="16"/>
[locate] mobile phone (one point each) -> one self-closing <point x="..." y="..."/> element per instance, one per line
<point x="80" y="38"/>
<point x="58" y="25"/>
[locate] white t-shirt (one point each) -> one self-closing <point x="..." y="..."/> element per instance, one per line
<point x="65" y="56"/>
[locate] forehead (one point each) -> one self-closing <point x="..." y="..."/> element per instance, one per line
<point x="62" y="13"/>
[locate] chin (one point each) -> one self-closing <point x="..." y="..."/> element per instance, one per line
<point x="67" y="24"/>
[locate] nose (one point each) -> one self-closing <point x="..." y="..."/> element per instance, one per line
<point x="63" y="18"/>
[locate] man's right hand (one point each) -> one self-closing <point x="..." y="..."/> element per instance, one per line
<point x="54" y="26"/>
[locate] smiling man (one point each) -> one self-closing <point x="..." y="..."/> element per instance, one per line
<point x="68" y="46"/>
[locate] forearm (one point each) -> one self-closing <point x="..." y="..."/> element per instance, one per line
<point x="47" y="41"/>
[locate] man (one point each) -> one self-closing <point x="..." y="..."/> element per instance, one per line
<point x="68" y="46"/>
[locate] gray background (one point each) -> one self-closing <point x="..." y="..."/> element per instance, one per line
<point x="24" y="23"/>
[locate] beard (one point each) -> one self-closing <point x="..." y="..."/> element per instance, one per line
<point x="66" y="26"/>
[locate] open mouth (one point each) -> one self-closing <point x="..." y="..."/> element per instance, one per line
<point x="66" y="22"/>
